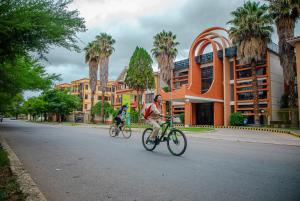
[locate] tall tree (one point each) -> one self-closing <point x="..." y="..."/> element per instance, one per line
<point x="251" y="31"/>
<point x="61" y="103"/>
<point x="36" y="25"/>
<point x="165" y="51"/>
<point x="140" y="73"/>
<point x="105" y="47"/>
<point x="32" y="26"/>
<point x="91" y="57"/>
<point x="286" y="13"/>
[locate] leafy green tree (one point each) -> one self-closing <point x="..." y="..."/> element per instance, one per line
<point x="22" y="74"/>
<point x="31" y="27"/>
<point x="140" y="73"/>
<point x="36" y="25"/>
<point x="61" y="103"/>
<point x="97" y="108"/>
<point x="16" y="106"/>
<point x="251" y="28"/>
<point x="35" y="106"/>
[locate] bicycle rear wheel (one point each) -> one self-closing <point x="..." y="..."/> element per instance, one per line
<point x="177" y="142"/>
<point x="146" y="134"/>
<point x="126" y="132"/>
<point x="112" y="131"/>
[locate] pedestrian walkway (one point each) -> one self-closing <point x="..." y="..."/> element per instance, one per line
<point x="249" y="136"/>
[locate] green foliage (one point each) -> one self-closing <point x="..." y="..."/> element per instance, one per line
<point x="21" y="74"/>
<point x="35" y="106"/>
<point x="134" y="116"/>
<point x="251" y="29"/>
<point x="140" y="73"/>
<point x="236" y="119"/>
<point x="35" y="25"/>
<point x="60" y="102"/>
<point x="181" y="116"/>
<point x="166" y="89"/>
<point x="32" y="26"/>
<point x="96" y="109"/>
<point x="4" y="162"/>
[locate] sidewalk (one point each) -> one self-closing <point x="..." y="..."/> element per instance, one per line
<point x="249" y="136"/>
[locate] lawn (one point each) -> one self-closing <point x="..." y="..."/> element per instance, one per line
<point x="9" y="187"/>
<point x="196" y="129"/>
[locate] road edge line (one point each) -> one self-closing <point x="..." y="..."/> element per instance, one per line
<point x="27" y="185"/>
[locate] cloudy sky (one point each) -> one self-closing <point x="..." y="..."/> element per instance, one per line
<point x="134" y="23"/>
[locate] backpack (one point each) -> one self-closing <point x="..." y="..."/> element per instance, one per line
<point x="147" y="112"/>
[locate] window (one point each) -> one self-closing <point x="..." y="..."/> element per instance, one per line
<point x="86" y="87"/>
<point x="206" y="78"/>
<point x="85" y="106"/>
<point x="149" y="98"/>
<point x="231" y="71"/>
<point x="261" y="71"/>
<point x="262" y="94"/>
<point x="86" y="96"/>
<point x="245" y="96"/>
<point x="99" y="88"/>
<point x="107" y="98"/>
<point x="244" y="73"/>
<point x="99" y="97"/>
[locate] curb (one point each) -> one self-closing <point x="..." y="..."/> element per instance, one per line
<point x="27" y="185"/>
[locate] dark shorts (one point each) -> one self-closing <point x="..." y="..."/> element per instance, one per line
<point x="118" y="120"/>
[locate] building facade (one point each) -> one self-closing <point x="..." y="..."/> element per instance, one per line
<point x="82" y="89"/>
<point x="208" y="87"/>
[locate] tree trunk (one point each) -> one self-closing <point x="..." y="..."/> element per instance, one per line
<point x="92" y="104"/>
<point x="255" y="93"/>
<point x="292" y="103"/>
<point x="102" y="108"/>
<point x="285" y="30"/>
<point x="93" y="70"/>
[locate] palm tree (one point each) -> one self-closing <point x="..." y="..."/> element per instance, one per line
<point x="105" y="47"/>
<point x="165" y="51"/>
<point x="91" y="57"/>
<point x="286" y="13"/>
<point x="251" y="31"/>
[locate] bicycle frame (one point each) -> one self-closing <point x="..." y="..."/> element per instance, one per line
<point x="164" y="131"/>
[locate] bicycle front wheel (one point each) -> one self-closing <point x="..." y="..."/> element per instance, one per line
<point x="126" y="132"/>
<point x="145" y="138"/>
<point x="112" y="131"/>
<point x="177" y="142"/>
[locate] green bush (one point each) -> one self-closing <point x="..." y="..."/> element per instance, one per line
<point x="181" y="116"/>
<point x="236" y="119"/>
<point x="134" y="116"/>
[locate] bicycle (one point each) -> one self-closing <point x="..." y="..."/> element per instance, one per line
<point x="175" y="138"/>
<point x="126" y="131"/>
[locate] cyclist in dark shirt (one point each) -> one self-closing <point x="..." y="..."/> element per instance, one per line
<point x="120" y="117"/>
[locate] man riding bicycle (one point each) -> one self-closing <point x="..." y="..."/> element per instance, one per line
<point x="153" y="117"/>
<point x="120" y="118"/>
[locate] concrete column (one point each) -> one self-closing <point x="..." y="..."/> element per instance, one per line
<point x="226" y="85"/>
<point x="187" y="114"/>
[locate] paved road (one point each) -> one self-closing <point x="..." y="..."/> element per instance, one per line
<point x="75" y="163"/>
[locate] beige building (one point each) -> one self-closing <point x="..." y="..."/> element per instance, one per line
<point x="82" y="89"/>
